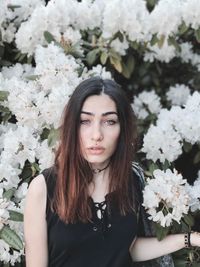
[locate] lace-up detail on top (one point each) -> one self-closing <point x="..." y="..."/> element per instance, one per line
<point x="100" y="208"/>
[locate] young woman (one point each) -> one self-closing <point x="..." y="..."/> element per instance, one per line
<point x="84" y="210"/>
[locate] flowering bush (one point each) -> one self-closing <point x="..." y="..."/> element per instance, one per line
<point x="166" y="198"/>
<point x="47" y="49"/>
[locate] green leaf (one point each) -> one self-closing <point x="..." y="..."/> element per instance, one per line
<point x="147" y="173"/>
<point x="184" y="226"/>
<point x="161" y="232"/>
<point x="6" y="117"/>
<point x="44" y="134"/>
<point x="131" y="63"/>
<point x="166" y="165"/>
<point x="154" y="40"/>
<point x="187" y="147"/>
<point x="11" y="238"/>
<point x="197" y="158"/>
<point x="53" y="137"/>
<point x="27" y="173"/>
<point x="29" y="60"/>
<point x="125" y="71"/>
<point x="161" y="41"/>
<point x="114" y="54"/>
<point x="118" y="35"/>
<point x="197" y="264"/>
<point x="153" y="166"/>
<point x="5" y="63"/>
<point x="172" y="41"/>
<point x="4" y="109"/>
<point x="76" y="51"/>
<point x="180" y="263"/>
<point x="134" y="45"/>
<point x="128" y="67"/>
<point x="2" y="49"/>
<point x="183" y="28"/>
<point x="152" y="2"/>
<point x="9" y="193"/>
<point x="103" y="57"/>
<point x="197" y="34"/>
<point x="35" y="168"/>
<point x="22" y="57"/>
<point x="33" y="77"/>
<point x="49" y="37"/>
<point x="15" y="216"/>
<point x="92" y="56"/>
<point x="4" y="95"/>
<point x="189" y="220"/>
<point x="13" y="6"/>
<point x="116" y="63"/>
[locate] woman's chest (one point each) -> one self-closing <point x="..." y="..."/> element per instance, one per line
<point x="108" y="232"/>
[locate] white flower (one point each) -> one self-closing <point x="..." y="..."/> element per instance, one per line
<point x="191" y="13"/>
<point x="98" y="70"/>
<point x="25" y="109"/>
<point x="30" y="33"/>
<point x="45" y="155"/>
<point x="10" y="19"/>
<point x="164" y="54"/>
<point x="165" y="197"/>
<point x="162" y="143"/>
<point x="19" y="145"/>
<point x="186" y="52"/>
<point x="178" y="94"/>
<point x="5" y="251"/>
<point x="18" y="71"/>
<point x="120" y="47"/>
<point x="194" y="193"/>
<point x="146" y="103"/>
<point x="165" y="11"/>
<point x="131" y="23"/>
<point x="4" y="214"/>
<point x="187" y="55"/>
<point x="21" y="192"/>
<point x="8" y="33"/>
<point x="189" y="125"/>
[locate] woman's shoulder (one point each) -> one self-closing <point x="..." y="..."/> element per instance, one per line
<point x="39" y="184"/>
<point x="37" y="187"/>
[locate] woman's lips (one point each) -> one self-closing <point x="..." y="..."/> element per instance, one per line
<point x="96" y="150"/>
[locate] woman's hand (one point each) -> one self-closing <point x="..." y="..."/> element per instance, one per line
<point x="195" y="239"/>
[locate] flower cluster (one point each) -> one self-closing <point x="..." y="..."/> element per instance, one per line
<point x="71" y="18"/>
<point x="194" y="193"/>
<point x="13" y="13"/>
<point x="165" y="197"/>
<point x="164" y="141"/>
<point x="146" y="103"/>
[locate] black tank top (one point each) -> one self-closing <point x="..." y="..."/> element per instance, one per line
<point x="104" y="242"/>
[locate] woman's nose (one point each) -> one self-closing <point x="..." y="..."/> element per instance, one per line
<point x="97" y="134"/>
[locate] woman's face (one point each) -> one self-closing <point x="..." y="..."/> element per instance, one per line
<point x="99" y="129"/>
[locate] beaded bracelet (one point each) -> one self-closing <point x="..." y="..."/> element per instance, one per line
<point x="187" y="240"/>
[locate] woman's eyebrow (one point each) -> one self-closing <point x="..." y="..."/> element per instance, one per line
<point x="103" y="114"/>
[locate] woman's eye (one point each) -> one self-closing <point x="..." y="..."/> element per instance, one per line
<point x="84" y="121"/>
<point x="110" y="122"/>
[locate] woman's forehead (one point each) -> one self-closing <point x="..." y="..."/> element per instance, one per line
<point x="99" y="104"/>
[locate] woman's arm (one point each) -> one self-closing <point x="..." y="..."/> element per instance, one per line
<point x="35" y="229"/>
<point x="147" y="248"/>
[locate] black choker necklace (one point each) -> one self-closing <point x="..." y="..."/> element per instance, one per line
<point x="100" y="170"/>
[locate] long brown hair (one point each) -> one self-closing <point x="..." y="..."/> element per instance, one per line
<point x="73" y="171"/>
